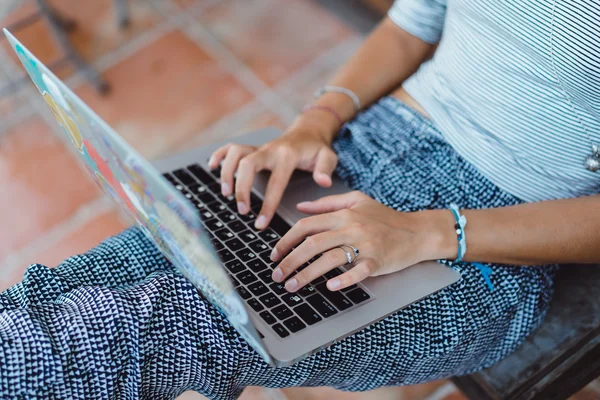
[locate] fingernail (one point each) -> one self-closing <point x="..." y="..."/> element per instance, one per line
<point x="261" y="222"/>
<point x="225" y="189"/>
<point x="291" y="284"/>
<point x="274" y="255"/>
<point x="277" y="274"/>
<point x="242" y="208"/>
<point x="304" y="203"/>
<point x="211" y="162"/>
<point x="334" y="284"/>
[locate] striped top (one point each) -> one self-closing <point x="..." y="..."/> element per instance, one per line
<point x="514" y="86"/>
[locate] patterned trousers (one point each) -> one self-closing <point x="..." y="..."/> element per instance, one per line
<point x="119" y="322"/>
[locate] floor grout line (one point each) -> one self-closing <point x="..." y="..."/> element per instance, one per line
<point x="442" y="392"/>
<point x="204" y="38"/>
<point x="83" y="215"/>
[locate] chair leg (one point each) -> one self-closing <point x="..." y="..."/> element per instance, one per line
<point x="59" y="27"/>
<point x="122" y="10"/>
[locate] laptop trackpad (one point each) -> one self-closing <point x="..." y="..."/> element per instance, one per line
<point x="302" y="187"/>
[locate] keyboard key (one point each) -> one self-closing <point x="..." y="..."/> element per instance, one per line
<point x="333" y="273"/>
<point x="246" y="255"/>
<point x="198" y="189"/>
<point x="248" y="218"/>
<point x="200" y="173"/>
<point x="235" y="282"/>
<point x="258" y="289"/>
<point x="217" y="207"/>
<point x="268" y="235"/>
<point x="280" y="330"/>
<point x="258" y="246"/>
<point x="247" y="236"/>
<point x="270" y="300"/>
<point x="235" y="266"/>
<point x="225" y="255"/>
<point x="226" y="216"/>
<point x="291" y="299"/>
<point x="216" y="172"/>
<point x="170" y="178"/>
<point x="236" y="226"/>
<point x="317" y="280"/>
<point x="321" y="305"/>
<point x="338" y="299"/>
<point x="256" y="265"/>
<point x="255" y="304"/>
<point x="278" y="288"/>
<point x="199" y="205"/>
<point x="282" y="312"/>
<point x="184" y="177"/>
<point x="267" y="317"/>
<point x="306" y="291"/>
<point x="266" y="276"/>
<point x="243" y="292"/>
<point x="234" y="244"/>
<point x="348" y="288"/>
<point x="246" y="277"/>
<point x="358" y="295"/>
<point x="294" y="324"/>
<point x="213" y="225"/>
<point x="224" y="234"/>
<point x="266" y="256"/>
<point x="255" y="202"/>
<point x="279" y="225"/>
<point x="206" y="197"/>
<point x="218" y="245"/>
<point x="205" y="215"/>
<point x="307" y="314"/>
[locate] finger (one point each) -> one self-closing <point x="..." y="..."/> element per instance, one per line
<point x="217" y="156"/>
<point x="330" y="203"/>
<point x="280" y="176"/>
<point x="309" y="248"/>
<point x="324" y="167"/>
<point x="328" y="261"/>
<point x="359" y="272"/>
<point x="303" y="228"/>
<point x="247" y="169"/>
<point x="233" y="157"/>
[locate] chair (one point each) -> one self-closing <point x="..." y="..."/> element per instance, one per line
<point x="560" y="357"/>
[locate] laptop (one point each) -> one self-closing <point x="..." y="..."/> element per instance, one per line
<point x="178" y="205"/>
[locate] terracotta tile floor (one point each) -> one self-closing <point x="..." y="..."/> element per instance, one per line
<point x="187" y="72"/>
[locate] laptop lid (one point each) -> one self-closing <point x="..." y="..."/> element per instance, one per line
<point x="161" y="212"/>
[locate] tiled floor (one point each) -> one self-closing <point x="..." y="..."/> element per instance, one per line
<point x="187" y="72"/>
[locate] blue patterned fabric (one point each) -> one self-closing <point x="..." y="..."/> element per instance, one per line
<point x="119" y="322"/>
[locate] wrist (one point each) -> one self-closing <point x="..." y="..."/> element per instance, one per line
<point x="316" y="124"/>
<point x="438" y="235"/>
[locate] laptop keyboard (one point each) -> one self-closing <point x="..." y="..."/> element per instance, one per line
<point x="245" y="252"/>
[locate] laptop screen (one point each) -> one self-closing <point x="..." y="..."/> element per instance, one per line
<point x="161" y="212"/>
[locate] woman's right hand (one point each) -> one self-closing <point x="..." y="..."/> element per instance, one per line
<point x="306" y="145"/>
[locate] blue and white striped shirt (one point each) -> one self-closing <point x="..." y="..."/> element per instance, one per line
<point x="514" y="86"/>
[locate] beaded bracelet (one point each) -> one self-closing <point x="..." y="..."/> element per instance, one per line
<point x="461" y="222"/>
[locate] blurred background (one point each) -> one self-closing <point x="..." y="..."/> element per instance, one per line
<point x="167" y="75"/>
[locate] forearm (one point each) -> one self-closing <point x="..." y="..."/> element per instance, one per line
<point x="557" y="231"/>
<point x="387" y="57"/>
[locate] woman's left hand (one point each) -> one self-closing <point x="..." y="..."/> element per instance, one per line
<point x="387" y="240"/>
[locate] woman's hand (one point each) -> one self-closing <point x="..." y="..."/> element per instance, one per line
<point x="306" y="146"/>
<point x="388" y="240"/>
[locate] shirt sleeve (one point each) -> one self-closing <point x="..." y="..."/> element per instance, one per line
<point x="421" y="18"/>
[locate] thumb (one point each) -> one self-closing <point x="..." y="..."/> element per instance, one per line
<point x="329" y="203"/>
<point x="324" y="166"/>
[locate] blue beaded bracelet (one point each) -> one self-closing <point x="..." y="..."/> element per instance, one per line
<point x="461" y="222"/>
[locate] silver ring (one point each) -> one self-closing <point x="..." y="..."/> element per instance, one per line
<point x="352" y="255"/>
